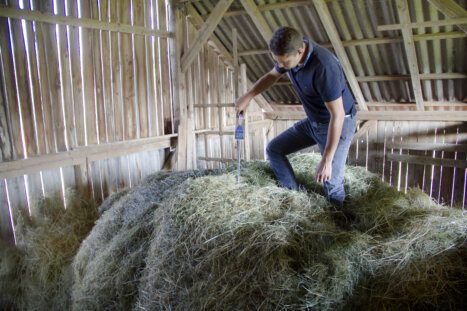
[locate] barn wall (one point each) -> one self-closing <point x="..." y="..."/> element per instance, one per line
<point x="70" y="91"/>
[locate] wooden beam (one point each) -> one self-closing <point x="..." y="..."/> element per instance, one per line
<point x="462" y="164"/>
<point x="258" y="19"/>
<point x="426" y="76"/>
<point x="427" y="146"/>
<point x="81" y="155"/>
<point x="404" y="17"/>
<point x="326" y="20"/>
<point x="450" y="9"/>
<point x="371" y="41"/>
<point x="444" y="22"/>
<point x="216" y="159"/>
<point x="197" y="19"/>
<point x="382" y="115"/>
<point x="50" y="18"/>
<point x="205" y="32"/>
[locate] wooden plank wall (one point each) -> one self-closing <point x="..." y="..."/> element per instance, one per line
<point x="65" y="87"/>
<point x="210" y="86"/>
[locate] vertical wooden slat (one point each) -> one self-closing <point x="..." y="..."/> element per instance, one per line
<point x="165" y="86"/>
<point x="450" y="131"/>
<point x="460" y="183"/>
<point x="98" y="76"/>
<point x="76" y="79"/>
<point x="416" y="173"/>
<point x="116" y="74"/>
<point x="128" y="75"/>
<point x="6" y="228"/>
<point x="373" y="155"/>
<point x="23" y="99"/>
<point x="6" y="121"/>
<point x="18" y="196"/>
<point x="65" y="83"/>
<point x="105" y="11"/>
<point x="243" y="87"/>
<point x="389" y="164"/>
<point x="190" y="92"/>
<point x="434" y="183"/>
<point x="140" y="69"/>
<point x="379" y="145"/>
<point x="50" y="135"/>
<point x="33" y="79"/>
<point x="205" y="96"/>
<point x="151" y="86"/>
<point x="89" y="115"/>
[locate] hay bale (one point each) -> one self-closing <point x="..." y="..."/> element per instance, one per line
<point x="10" y="272"/>
<point x="221" y="245"/>
<point x="108" y="265"/>
<point x="47" y="241"/>
<point x="200" y="241"/>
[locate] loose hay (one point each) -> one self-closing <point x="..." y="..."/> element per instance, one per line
<point x="46" y="244"/>
<point x="108" y="266"/>
<point x="200" y="241"/>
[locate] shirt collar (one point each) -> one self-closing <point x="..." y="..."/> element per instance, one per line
<point x="308" y="56"/>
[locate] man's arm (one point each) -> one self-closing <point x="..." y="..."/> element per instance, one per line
<point x="260" y="86"/>
<point x="336" y="109"/>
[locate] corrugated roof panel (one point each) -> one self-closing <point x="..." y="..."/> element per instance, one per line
<point x="357" y="20"/>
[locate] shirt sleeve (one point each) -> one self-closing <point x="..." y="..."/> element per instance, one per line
<point x="330" y="80"/>
<point x="280" y="69"/>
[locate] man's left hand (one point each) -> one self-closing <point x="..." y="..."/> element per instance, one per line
<point x="323" y="171"/>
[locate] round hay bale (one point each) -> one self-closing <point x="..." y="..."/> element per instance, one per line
<point x="222" y="245"/>
<point x="110" y="260"/>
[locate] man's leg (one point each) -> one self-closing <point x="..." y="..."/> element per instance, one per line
<point x="295" y="138"/>
<point x="334" y="188"/>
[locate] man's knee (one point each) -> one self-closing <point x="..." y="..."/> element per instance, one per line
<point x="271" y="150"/>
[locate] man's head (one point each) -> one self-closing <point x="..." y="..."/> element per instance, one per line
<point x="287" y="47"/>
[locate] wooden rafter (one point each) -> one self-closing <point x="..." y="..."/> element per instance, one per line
<point x="197" y="19"/>
<point x="205" y="32"/>
<point x="409" y="45"/>
<point x="373" y="41"/>
<point x="258" y="19"/>
<point x="445" y="116"/>
<point x="80" y="22"/>
<point x="326" y="19"/>
<point x="443" y="22"/>
<point x="225" y="54"/>
<point x="451" y="9"/>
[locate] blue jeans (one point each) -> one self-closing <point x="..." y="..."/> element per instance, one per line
<point x="306" y="133"/>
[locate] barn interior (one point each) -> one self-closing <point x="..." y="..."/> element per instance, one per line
<point x="118" y="162"/>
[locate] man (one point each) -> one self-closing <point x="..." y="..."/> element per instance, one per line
<point x="318" y="80"/>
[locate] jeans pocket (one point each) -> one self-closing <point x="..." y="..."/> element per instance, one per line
<point x="348" y="128"/>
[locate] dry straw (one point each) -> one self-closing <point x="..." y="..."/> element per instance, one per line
<point x="200" y="241"/>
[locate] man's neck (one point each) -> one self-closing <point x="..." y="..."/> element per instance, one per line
<point x="305" y="54"/>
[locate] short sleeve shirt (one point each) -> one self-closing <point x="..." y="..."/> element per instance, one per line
<point x="318" y="80"/>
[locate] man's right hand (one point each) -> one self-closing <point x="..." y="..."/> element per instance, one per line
<point x="242" y="103"/>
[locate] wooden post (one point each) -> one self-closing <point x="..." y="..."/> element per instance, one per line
<point x="235" y="61"/>
<point x="243" y="89"/>
<point x="178" y="82"/>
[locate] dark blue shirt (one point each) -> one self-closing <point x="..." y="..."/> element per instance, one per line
<point x="318" y="80"/>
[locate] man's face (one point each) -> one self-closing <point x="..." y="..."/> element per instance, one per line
<point x="291" y="60"/>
